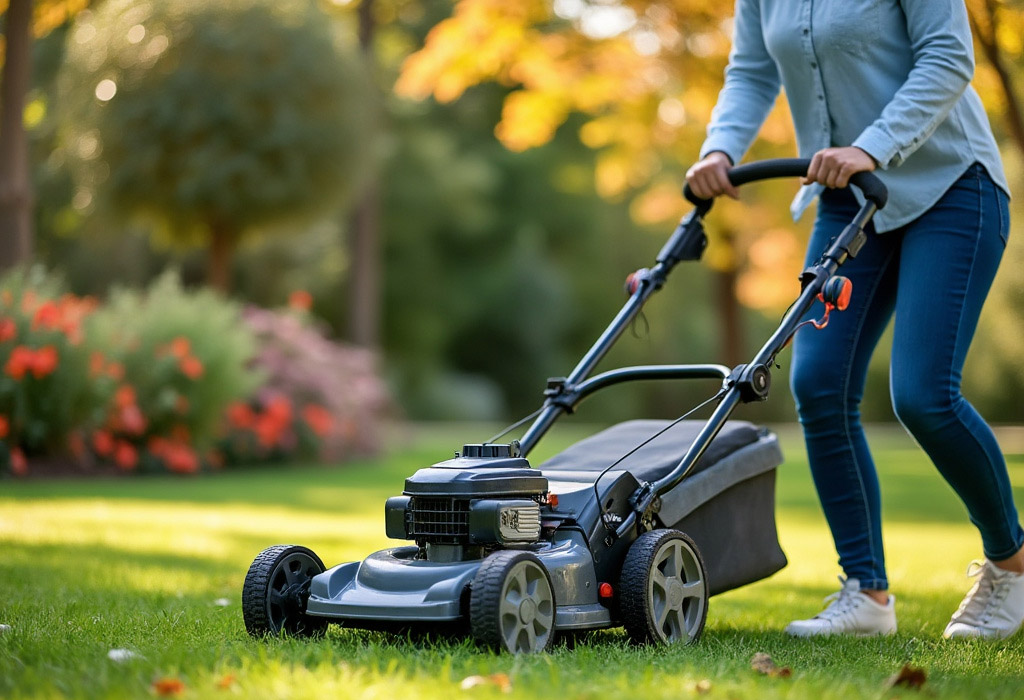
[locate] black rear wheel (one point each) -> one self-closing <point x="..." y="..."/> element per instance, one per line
<point x="663" y="593"/>
<point x="276" y="590"/>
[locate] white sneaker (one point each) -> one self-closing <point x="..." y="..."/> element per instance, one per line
<point x="993" y="608"/>
<point x="849" y="612"/>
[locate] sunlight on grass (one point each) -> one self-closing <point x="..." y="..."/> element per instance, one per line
<point x="156" y="565"/>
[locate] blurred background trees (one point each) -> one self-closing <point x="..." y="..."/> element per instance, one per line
<point x="206" y="122"/>
<point x="465" y="194"/>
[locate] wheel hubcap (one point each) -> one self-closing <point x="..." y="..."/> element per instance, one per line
<point x="527" y="609"/>
<point x="289" y="591"/>
<point x="676" y="592"/>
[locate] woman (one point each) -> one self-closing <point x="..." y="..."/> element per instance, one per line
<point x="886" y="84"/>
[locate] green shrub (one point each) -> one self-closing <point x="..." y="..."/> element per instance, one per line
<point x="185" y="357"/>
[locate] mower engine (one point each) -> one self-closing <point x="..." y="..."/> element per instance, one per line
<point x="463" y="508"/>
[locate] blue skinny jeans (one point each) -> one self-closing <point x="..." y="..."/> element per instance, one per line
<point x="933" y="274"/>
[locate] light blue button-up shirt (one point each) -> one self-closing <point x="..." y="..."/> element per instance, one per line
<point x="889" y="76"/>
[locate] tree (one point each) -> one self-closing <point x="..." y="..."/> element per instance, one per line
<point x="997" y="31"/>
<point x="644" y="73"/>
<point x="213" y="121"/>
<point x="21" y="22"/>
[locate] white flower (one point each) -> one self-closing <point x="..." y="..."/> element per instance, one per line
<point x="121" y="655"/>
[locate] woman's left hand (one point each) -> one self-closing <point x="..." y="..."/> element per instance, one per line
<point x="833" y="167"/>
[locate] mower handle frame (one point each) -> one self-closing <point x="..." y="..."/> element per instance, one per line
<point x="744" y="383"/>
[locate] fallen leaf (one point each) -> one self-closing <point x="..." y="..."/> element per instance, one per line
<point x="762" y="663"/>
<point x="222" y="602"/>
<point x="501" y="680"/>
<point x="169" y="686"/>
<point x="703" y="687"/>
<point x="226" y="681"/>
<point x="121" y="655"/>
<point x="909" y="676"/>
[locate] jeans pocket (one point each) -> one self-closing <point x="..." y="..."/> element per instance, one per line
<point x="1003" y="207"/>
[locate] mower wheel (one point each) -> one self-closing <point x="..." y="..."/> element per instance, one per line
<point x="276" y="590"/>
<point x="512" y="603"/>
<point x="663" y="592"/>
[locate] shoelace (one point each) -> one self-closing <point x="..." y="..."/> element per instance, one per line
<point x="840" y="602"/>
<point x="987" y="593"/>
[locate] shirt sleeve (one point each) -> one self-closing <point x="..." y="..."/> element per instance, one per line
<point x="940" y="38"/>
<point x="751" y="86"/>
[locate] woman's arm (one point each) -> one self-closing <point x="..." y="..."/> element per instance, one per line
<point x="940" y="38"/>
<point x="751" y="86"/>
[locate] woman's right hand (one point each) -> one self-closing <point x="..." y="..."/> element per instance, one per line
<point x="709" y="177"/>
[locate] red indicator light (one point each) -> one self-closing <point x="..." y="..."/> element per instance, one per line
<point x="605" y="590"/>
<point x="553" y="500"/>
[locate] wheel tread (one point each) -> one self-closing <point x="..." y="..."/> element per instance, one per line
<point x="485" y="596"/>
<point x="634" y="581"/>
<point x="255" y="589"/>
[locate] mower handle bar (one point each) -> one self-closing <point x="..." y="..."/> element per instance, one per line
<point x="868" y="183"/>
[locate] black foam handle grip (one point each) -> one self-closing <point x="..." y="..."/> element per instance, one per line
<point x="868" y="183"/>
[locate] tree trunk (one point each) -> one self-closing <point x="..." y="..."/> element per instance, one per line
<point x="364" y="283"/>
<point x="221" y="253"/>
<point x="15" y="177"/>
<point x="990" y="47"/>
<point x="730" y="324"/>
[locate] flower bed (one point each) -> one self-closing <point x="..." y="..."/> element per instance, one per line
<point x="173" y="380"/>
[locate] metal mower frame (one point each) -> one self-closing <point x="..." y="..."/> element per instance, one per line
<point x="515" y="554"/>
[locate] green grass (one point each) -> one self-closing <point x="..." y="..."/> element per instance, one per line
<point x="139" y="564"/>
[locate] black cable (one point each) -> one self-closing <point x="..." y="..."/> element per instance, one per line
<point x="515" y="425"/>
<point x="677" y="421"/>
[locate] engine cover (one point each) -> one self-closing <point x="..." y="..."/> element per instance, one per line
<point x="470" y="499"/>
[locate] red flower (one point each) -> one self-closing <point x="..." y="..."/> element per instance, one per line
<point x="45" y="361"/>
<point x="268" y="431"/>
<point x="181" y="458"/>
<point x="102" y="443"/>
<point x="279" y="409"/>
<point x="240" y="415"/>
<point x="125" y="396"/>
<point x="300" y="300"/>
<point x="191" y="367"/>
<point x="132" y="420"/>
<point x="169" y="686"/>
<point x="21" y="360"/>
<point x="7" y="330"/>
<point x="19" y="465"/>
<point x="180" y="347"/>
<point x="319" y="419"/>
<point x="47" y="316"/>
<point x="126" y="456"/>
<point x="5" y="426"/>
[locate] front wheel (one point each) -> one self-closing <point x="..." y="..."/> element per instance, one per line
<point x="512" y="603"/>
<point x="663" y="592"/>
<point x="276" y="590"/>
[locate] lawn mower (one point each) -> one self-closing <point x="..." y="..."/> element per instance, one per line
<point x="635" y="526"/>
